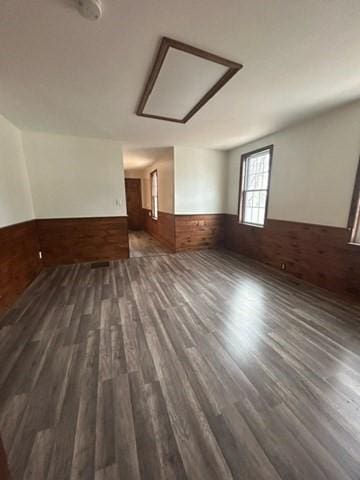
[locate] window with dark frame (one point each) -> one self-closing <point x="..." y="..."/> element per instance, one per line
<point x="354" y="217"/>
<point x="255" y="174"/>
<point x="154" y="194"/>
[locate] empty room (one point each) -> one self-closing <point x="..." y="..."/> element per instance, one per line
<point x="179" y="240"/>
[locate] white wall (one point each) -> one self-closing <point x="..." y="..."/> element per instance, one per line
<point x="200" y="180"/>
<point x="162" y="160"/>
<point x="75" y="177"/>
<point x="313" y="174"/>
<point x="15" y="197"/>
<point x="191" y="180"/>
<point x="313" y="171"/>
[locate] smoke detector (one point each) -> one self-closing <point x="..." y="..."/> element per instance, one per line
<point x="90" y="9"/>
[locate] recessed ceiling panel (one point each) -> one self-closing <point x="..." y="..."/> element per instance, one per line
<point x="182" y="80"/>
<point x="181" y="84"/>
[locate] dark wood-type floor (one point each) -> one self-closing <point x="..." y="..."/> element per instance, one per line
<point x="197" y="365"/>
<point x="144" y="245"/>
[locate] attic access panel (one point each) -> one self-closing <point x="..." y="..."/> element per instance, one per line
<point x="183" y="78"/>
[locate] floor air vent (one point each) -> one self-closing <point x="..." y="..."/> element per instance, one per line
<point x="100" y="265"/>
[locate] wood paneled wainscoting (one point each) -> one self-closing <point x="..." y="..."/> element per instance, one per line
<point x="163" y="229"/>
<point x="186" y="232"/>
<point x="19" y="260"/>
<point x="195" y="232"/>
<point x="314" y="253"/>
<point x="73" y="240"/>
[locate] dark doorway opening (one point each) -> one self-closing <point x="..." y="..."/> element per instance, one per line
<point x="134" y="203"/>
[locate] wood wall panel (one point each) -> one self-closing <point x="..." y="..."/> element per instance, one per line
<point x="19" y="260"/>
<point x="73" y="240"/>
<point x="163" y="229"/>
<point x="186" y="232"/>
<point x="195" y="232"/>
<point x="317" y="254"/>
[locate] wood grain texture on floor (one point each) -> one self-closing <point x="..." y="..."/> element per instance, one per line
<point x="198" y="365"/>
<point x="144" y="245"/>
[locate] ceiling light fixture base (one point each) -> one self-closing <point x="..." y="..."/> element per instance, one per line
<point x="90" y="9"/>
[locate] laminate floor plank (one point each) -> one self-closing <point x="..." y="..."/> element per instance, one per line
<point x="38" y="464"/>
<point x="196" y="365"/>
<point x="142" y="244"/>
<point x="83" y="463"/>
<point x="126" y="452"/>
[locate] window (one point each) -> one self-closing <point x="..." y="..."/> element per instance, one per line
<point x="154" y="194"/>
<point x="354" y="217"/>
<point x="254" y="186"/>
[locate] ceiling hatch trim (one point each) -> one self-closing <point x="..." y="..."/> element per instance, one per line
<point x="223" y="71"/>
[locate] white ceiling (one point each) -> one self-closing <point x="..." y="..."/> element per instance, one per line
<point x="140" y="158"/>
<point x="182" y="81"/>
<point x="62" y="73"/>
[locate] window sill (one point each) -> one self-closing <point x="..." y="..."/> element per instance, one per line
<point x="251" y="225"/>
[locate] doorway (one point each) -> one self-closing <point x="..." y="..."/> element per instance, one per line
<point x="141" y="244"/>
<point x="134" y="203"/>
<point x="144" y="245"/>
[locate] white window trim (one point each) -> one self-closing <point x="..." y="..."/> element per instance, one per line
<point x="243" y="161"/>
